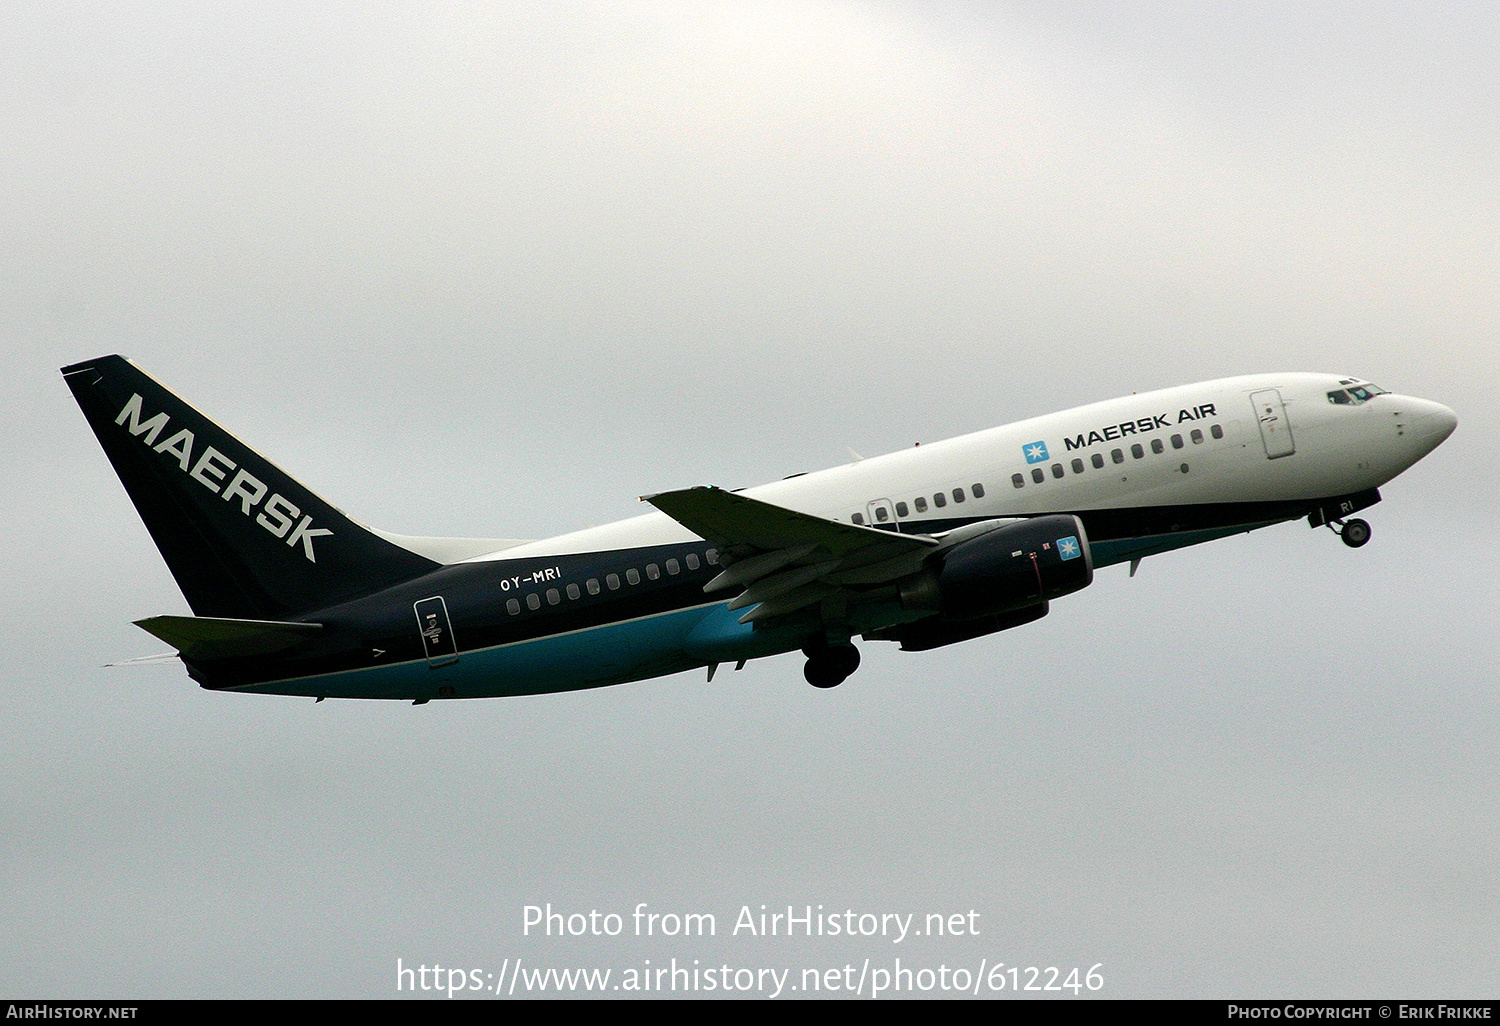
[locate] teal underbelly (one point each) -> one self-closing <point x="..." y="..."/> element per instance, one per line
<point x="1120" y="550"/>
<point x="596" y="657"/>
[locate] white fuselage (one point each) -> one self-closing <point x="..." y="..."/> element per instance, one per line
<point x="1338" y="449"/>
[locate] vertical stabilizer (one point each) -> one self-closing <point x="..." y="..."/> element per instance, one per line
<point x="243" y="539"/>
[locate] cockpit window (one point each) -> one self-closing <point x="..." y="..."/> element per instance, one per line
<point x="1356" y="394"/>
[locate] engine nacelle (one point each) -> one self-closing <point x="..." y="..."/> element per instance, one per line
<point x="937" y="631"/>
<point x="1012" y="567"/>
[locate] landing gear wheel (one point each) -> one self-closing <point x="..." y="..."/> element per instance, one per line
<point x="830" y="666"/>
<point x="820" y="674"/>
<point x="1355" y="533"/>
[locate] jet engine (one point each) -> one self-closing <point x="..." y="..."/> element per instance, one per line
<point x="994" y="581"/>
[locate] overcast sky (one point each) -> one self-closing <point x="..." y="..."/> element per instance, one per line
<point x="496" y="270"/>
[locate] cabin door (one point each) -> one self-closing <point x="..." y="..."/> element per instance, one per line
<point x="436" y="631"/>
<point x="1275" y="432"/>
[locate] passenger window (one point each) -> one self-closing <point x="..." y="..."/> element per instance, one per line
<point x="652" y="571"/>
<point x="1216" y="431"/>
<point x="1017" y="480"/>
<point x="533" y="601"/>
<point x="712" y="555"/>
<point x="978" y="490"/>
<point x="1037" y="475"/>
<point x="1078" y="466"/>
<point x="881" y="514"/>
<point x="573" y="591"/>
<point x="553" y="598"/>
<point x="633" y="576"/>
<point x="1156" y="446"/>
<point x="692" y="560"/>
<point x="1137" y="452"/>
<point x="1196" y="436"/>
<point x="613" y="580"/>
<point x="901" y="509"/>
<point x="940" y="500"/>
<point x="858" y="518"/>
<point x="1177" y="441"/>
<point x="1057" y="470"/>
<point x="1117" y="456"/>
<point x="958" y="495"/>
<point x="921" y="503"/>
<point x="674" y="567"/>
<point x="592" y="586"/>
<point x="512" y="606"/>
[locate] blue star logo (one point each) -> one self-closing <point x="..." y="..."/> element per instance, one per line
<point x="1036" y="452"/>
<point x="1068" y="548"/>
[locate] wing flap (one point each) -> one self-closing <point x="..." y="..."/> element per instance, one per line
<point x="790" y="602"/>
<point x="740" y="574"/>
<point x="780" y="560"/>
<point x="770" y="587"/>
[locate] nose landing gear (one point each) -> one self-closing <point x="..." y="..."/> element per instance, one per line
<point x="1354" y="532"/>
<point x="829" y="665"/>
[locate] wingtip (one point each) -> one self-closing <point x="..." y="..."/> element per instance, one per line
<point x="677" y="491"/>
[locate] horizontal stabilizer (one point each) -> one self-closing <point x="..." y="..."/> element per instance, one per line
<point x="210" y="637"/>
<point x="147" y="660"/>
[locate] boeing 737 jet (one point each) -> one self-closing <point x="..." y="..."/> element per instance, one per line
<point x="926" y="547"/>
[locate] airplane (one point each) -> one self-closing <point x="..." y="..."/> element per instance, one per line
<point x="925" y="547"/>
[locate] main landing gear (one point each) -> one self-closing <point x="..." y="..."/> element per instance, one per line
<point x="829" y="665"/>
<point x="1354" y="532"/>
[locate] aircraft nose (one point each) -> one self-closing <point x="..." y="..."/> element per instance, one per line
<point x="1435" y="422"/>
<point x="1428" y="426"/>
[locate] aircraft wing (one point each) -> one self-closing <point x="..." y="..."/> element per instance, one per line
<point x="781" y="560"/>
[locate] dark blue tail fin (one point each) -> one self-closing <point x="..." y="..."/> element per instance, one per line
<point x="242" y="538"/>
